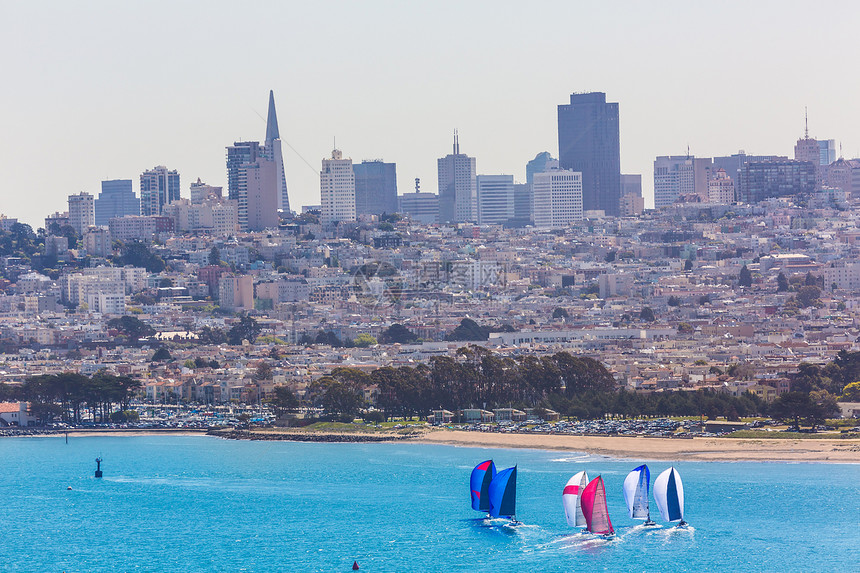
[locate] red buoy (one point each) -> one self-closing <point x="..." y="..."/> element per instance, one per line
<point x="355" y="565"/>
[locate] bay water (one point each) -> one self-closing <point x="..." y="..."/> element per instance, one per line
<point x="197" y="503"/>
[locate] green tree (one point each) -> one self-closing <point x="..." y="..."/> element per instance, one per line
<point x="283" y="401"/>
<point x="161" y="355"/>
<point x="688" y="265"/>
<point x="560" y="313"/>
<point x="781" y="282"/>
<point x="246" y="329"/>
<point x="131" y="327"/>
<point x="215" y="256"/>
<point x="335" y="397"/>
<point x="808" y="295"/>
<point x="468" y="330"/>
<point x="745" y="277"/>
<point x="647" y="314"/>
<point x="674" y="301"/>
<point x="851" y="393"/>
<point x="263" y="371"/>
<point x="364" y="340"/>
<point x="397" y="333"/>
<point x="138" y="254"/>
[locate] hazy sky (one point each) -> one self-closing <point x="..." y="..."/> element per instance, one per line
<point x="104" y="90"/>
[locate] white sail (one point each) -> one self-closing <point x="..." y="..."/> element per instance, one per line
<point x="669" y="495"/>
<point x="570" y="499"/>
<point x="635" y="490"/>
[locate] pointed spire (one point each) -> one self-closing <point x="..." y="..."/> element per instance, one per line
<point x="272" y="132"/>
<point x="806" y="122"/>
<point x="456" y="143"/>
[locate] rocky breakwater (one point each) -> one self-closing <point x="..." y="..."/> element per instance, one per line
<point x="311" y="436"/>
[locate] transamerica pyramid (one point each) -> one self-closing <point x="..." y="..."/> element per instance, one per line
<point x="273" y="151"/>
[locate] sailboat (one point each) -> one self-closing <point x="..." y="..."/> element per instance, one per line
<point x="571" y="499"/>
<point x="503" y="494"/>
<point x="595" y="510"/>
<point x="635" y="490"/>
<point x="669" y="495"/>
<point x="479" y="485"/>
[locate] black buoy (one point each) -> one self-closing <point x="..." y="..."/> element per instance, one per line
<point x="98" y="467"/>
<point x="355" y="565"/>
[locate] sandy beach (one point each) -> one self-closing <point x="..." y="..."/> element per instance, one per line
<point x="697" y="449"/>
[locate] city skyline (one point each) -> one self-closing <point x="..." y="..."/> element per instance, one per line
<point x="403" y="103"/>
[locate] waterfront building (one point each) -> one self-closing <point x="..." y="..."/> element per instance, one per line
<point x="589" y="143"/>
<point x="159" y="186"/>
<point x="337" y="189"/>
<point x="457" y="186"/>
<point x="495" y="198"/>
<point x="558" y="198"/>
<point x="375" y="187"/>
<point x="117" y="199"/>
<point x="81" y="211"/>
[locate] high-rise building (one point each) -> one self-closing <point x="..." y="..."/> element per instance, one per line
<point x="272" y="151"/>
<point x="457" y="186"/>
<point x="523" y="200"/>
<point x="721" y="188"/>
<point x="337" y="189"/>
<point x="495" y="199"/>
<point x="252" y="181"/>
<point x="677" y="177"/>
<point x="632" y="202"/>
<point x="828" y="151"/>
<point x="589" y="143"/>
<point x="201" y="192"/>
<point x="375" y="187"/>
<point x="542" y="162"/>
<point x="117" y="199"/>
<point x="158" y="187"/>
<point x="558" y="198"/>
<point x="732" y="164"/>
<point x="82" y="211"/>
<point x="765" y="179"/>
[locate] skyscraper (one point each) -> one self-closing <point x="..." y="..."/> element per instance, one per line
<point x="81" y="211"/>
<point x="589" y="142"/>
<point x="158" y="187"/>
<point x="558" y="199"/>
<point x="375" y="187"/>
<point x="677" y="176"/>
<point x="272" y="151"/>
<point x="117" y="199"/>
<point x="495" y="199"/>
<point x="457" y="186"/>
<point x="337" y="189"/>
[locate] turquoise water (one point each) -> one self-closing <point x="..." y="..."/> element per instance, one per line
<point x="194" y="503"/>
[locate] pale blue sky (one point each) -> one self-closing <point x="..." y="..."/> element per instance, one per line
<point x="103" y="89"/>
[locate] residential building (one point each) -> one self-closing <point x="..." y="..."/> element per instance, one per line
<point x="495" y="199"/>
<point x="258" y="184"/>
<point x="375" y="187"/>
<point x="139" y="228"/>
<point x="82" y="212"/>
<point x="558" y="198"/>
<point x="159" y="186"/>
<point x="721" y="188"/>
<point x="201" y="192"/>
<point x="57" y="221"/>
<point x="632" y="202"/>
<point x="337" y="189"/>
<point x="589" y="143"/>
<point x="457" y="186"/>
<point x="236" y="292"/>
<point x="732" y="164"/>
<point x="117" y="199"/>
<point x="98" y="242"/>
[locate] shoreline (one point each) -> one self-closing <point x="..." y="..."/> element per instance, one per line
<point x="662" y="449"/>
<point x="624" y="447"/>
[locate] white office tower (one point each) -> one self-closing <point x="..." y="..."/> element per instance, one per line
<point x="337" y="189"/>
<point x="557" y="199"/>
<point x="495" y="199"/>
<point x="457" y="186"/>
<point x="82" y="211"/>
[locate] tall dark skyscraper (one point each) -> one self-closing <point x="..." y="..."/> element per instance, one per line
<point x="375" y="187"/>
<point x="589" y="142"/>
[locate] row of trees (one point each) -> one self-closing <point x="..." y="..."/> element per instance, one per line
<point x="476" y="377"/>
<point x="67" y="395"/>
